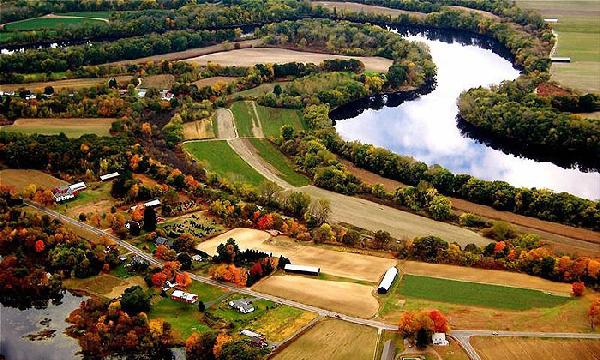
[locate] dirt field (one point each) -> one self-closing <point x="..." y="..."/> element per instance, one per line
<point x="562" y="237"/>
<point x="400" y="224"/>
<point x="71" y="127"/>
<point x="199" y="129"/>
<point x="346" y="7"/>
<point x="496" y="277"/>
<point x="332" y="340"/>
<point x="104" y="285"/>
<point x="252" y="56"/>
<point x="214" y="80"/>
<point x="19" y="178"/>
<point x="189" y="53"/>
<point x="64" y="84"/>
<point x="337" y="263"/>
<point x="163" y="81"/>
<point x="506" y="348"/>
<point x="344" y="297"/>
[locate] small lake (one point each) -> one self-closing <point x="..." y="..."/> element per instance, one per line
<point x="16" y="325"/>
<point x="426" y="127"/>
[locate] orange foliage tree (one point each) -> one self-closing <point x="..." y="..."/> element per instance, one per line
<point x="577" y="288"/>
<point x="222" y="339"/>
<point x="229" y="273"/>
<point x="183" y="279"/>
<point x="594" y="313"/>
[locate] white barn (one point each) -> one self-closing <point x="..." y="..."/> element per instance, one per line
<point x="302" y="269"/>
<point x="179" y="295"/>
<point x="109" y="176"/>
<point x="388" y="280"/>
<point x="439" y="339"/>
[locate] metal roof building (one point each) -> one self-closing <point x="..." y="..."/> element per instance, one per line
<point x="388" y="279"/>
<point x="302" y="269"/>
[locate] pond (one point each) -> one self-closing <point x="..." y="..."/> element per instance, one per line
<point x="37" y="332"/>
<point x="426" y="127"/>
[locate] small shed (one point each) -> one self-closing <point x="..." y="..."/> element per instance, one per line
<point x="250" y="333"/>
<point x="560" y="59"/>
<point x="551" y="20"/>
<point x="439" y="339"/>
<point x="302" y="269"/>
<point x="109" y="176"/>
<point x="388" y="280"/>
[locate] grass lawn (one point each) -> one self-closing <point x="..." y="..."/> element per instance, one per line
<point x="120" y="271"/>
<point x="244" y="116"/>
<point x="49" y="23"/>
<point x="220" y="158"/>
<point x="272" y="119"/>
<point x="475" y="294"/>
<point x="578" y="31"/>
<point x="185" y="318"/>
<point x="239" y="320"/>
<point x="273" y="156"/>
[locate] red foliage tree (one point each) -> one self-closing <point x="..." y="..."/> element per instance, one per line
<point x="39" y="246"/>
<point x="577" y="288"/>
<point x="159" y="279"/>
<point x="440" y="323"/>
<point x="265" y="222"/>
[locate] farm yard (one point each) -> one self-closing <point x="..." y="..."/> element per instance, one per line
<point x="73" y="128"/>
<point x="195" y="225"/>
<point x="345" y="297"/>
<point x="251" y="56"/>
<point x="281" y="323"/>
<point x="332" y="340"/>
<point x="337" y="263"/>
<point x="20" y="178"/>
<point x="507" y="348"/>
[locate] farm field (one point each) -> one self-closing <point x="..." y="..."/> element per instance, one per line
<point x="578" y="31"/>
<point x="332" y="340"/>
<point x="74" y="84"/>
<point x="51" y="22"/>
<point x="163" y="81"/>
<point x="560" y="237"/>
<point x="199" y="129"/>
<point x="400" y="224"/>
<point x="95" y="199"/>
<point x="476" y="294"/>
<point x="281" y="164"/>
<point x="493" y="277"/>
<point x="337" y="263"/>
<point x="245" y="119"/>
<point x="252" y="56"/>
<point x="505" y="348"/>
<point x="261" y="89"/>
<point x="73" y="128"/>
<point x="282" y="322"/>
<point x="220" y="158"/>
<point x="20" y="178"/>
<point x="189" y="53"/>
<point x="272" y="119"/>
<point x="350" y="7"/>
<point x="108" y="286"/>
<point x="214" y="80"/>
<point x="345" y="297"/>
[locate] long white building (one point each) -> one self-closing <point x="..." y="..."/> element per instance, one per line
<point x="388" y="280"/>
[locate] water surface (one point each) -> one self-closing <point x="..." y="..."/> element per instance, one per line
<point x="426" y="127"/>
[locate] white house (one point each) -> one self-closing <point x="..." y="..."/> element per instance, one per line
<point x="439" y="339"/>
<point x="109" y="176"/>
<point x="197" y="258"/>
<point x="77" y="186"/>
<point x="179" y="295"/>
<point x="250" y="333"/>
<point x="244" y="306"/>
<point x="388" y="280"/>
<point x="302" y="269"/>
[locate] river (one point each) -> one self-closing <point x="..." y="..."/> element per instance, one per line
<point x="426" y="127"/>
<point x="16" y="325"/>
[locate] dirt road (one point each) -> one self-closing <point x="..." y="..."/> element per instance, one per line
<point x="257" y="130"/>
<point x="246" y="151"/>
<point x="225" y="124"/>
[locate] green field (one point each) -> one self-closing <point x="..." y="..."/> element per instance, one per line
<point x="50" y="23"/>
<point x="244" y="116"/>
<point x="578" y="31"/>
<point x="476" y="294"/>
<point x="219" y="157"/>
<point x="89" y="14"/>
<point x="273" y="156"/>
<point x="272" y="119"/>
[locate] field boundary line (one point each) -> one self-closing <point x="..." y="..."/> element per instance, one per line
<point x="287" y="342"/>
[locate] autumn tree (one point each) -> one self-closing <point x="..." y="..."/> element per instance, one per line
<point x="229" y="273"/>
<point x="135" y="300"/>
<point x="183" y="279"/>
<point x="200" y="346"/>
<point x="227" y="252"/>
<point x="577" y="288"/>
<point x="221" y="340"/>
<point x="594" y="313"/>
